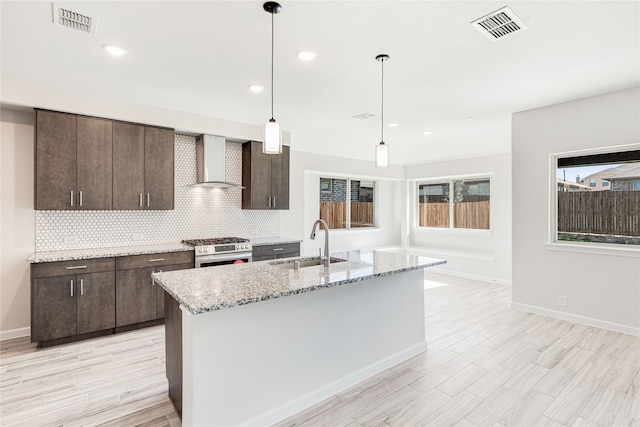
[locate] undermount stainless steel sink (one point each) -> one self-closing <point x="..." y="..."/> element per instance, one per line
<point x="306" y="262"/>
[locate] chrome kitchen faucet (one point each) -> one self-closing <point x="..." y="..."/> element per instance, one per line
<point x="326" y="239"/>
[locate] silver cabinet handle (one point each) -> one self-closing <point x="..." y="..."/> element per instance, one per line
<point x="140" y="199"/>
<point x="148" y="198"/>
<point x="269" y="201"/>
<point x="274" y="201"/>
<point x="278" y="249"/>
<point x="80" y="197"/>
<point x="156" y="260"/>
<point x="81" y="287"/>
<point x="71" y="287"/>
<point x="76" y="267"/>
<point x="71" y="197"/>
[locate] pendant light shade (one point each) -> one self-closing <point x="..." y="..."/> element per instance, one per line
<point x="272" y="138"/>
<point x="382" y="149"/>
<point x="382" y="155"/>
<point x="272" y="143"/>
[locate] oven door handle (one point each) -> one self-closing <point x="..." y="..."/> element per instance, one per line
<point x="221" y="257"/>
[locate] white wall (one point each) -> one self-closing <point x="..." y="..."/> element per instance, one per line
<point x="17" y="221"/>
<point x="472" y="253"/>
<point x="306" y="169"/>
<point x="603" y="290"/>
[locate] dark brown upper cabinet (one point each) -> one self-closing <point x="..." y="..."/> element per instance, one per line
<point x="143" y="167"/>
<point x="92" y="163"/>
<point x="265" y="178"/>
<point x="73" y="162"/>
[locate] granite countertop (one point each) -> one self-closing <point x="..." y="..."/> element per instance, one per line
<point x="263" y="241"/>
<point x="75" y="254"/>
<point x="215" y="288"/>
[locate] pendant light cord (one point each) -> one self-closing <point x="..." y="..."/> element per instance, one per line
<point x="272" y="64"/>
<point x="382" y="106"/>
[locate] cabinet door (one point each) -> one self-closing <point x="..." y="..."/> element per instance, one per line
<point x="135" y="296"/>
<point x="280" y="179"/>
<point x="96" y="296"/>
<point x="128" y="166"/>
<point x="160" y="291"/>
<point x="256" y="177"/>
<point x="158" y="168"/>
<point x="94" y="163"/>
<point x="55" y="152"/>
<point x="53" y="308"/>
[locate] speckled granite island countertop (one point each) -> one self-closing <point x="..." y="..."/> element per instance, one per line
<point x="214" y="288"/>
<point x="75" y="254"/>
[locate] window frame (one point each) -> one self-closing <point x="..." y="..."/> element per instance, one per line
<point x="552" y="243"/>
<point x="350" y="178"/>
<point x="449" y="180"/>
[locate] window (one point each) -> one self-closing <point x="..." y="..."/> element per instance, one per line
<point x="467" y="206"/>
<point x="339" y="214"/>
<point x="605" y="214"/>
<point x="592" y="182"/>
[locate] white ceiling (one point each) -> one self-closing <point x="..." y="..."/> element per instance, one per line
<point x="199" y="56"/>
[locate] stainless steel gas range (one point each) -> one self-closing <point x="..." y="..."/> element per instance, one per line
<point x="219" y="251"/>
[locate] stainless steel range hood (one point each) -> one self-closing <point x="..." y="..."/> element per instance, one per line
<point x="211" y="165"/>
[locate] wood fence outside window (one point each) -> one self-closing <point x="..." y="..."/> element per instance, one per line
<point x="335" y="214"/>
<point x="614" y="213"/>
<point x="474" y="215"/>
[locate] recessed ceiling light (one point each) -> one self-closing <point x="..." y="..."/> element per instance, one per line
<point x="394" y="125"/>
<point x="469" y="118"/>
<point x="307" y="55"/>
<point x="428" y="132"/>
<point x="114" y="50"/>
<point x="255" y="88"/>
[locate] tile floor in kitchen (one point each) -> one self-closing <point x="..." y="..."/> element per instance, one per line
<point x="486" y="365"/>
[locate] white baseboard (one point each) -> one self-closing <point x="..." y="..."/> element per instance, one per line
<point x="617" y="327"/>
<point x="15" y="333"/>
<point x="471" y="276"/>
<point x="306" y="401"/>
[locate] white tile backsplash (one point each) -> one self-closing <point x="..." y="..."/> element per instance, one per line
<point x="199" y="212"/>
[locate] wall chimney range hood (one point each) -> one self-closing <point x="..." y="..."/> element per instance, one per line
<point x="211" y="164"/>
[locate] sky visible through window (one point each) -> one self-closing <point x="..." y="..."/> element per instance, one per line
<point x="570" y="174"/>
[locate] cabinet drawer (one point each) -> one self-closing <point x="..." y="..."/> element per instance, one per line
<point x="286" y="248"/>
<point x="65" y="268"/>
<point x="153" y="260"/>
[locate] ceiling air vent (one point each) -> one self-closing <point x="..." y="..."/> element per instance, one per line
<point x="77" y="21"/>
<point x="499" y="24"/>
<point x="363" y="116"/>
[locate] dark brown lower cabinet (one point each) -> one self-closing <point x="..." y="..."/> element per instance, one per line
<point x="64" y="306"/>
<point x="53" y="308"/>
<point x="276" y="251"/>
<point x="96" y="302"/>
<point x="137" y="298"/>
<point x="73" y="300"/>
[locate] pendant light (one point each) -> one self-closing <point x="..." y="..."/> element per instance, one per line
<point x="272" y="134"/>
<point x="382" y="149"/>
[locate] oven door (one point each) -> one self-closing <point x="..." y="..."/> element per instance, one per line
<point x="222" y="259"/>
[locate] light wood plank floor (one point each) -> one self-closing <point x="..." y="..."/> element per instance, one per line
<point x="486" y="365"/>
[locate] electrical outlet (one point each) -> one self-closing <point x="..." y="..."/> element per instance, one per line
<point x="562" y="300"/>
<point x="137" y="237"/>
<point x="70" y="240"/>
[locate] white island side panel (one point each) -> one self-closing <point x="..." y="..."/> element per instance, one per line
<point x="256" y="364"/>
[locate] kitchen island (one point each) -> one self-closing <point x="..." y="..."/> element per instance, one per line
<point x="252" y="344"/>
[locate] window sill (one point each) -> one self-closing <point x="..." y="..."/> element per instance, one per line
<point x="595" y="249"/>
<point x="466" y="231"/>
<point x="347" y="230"/>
